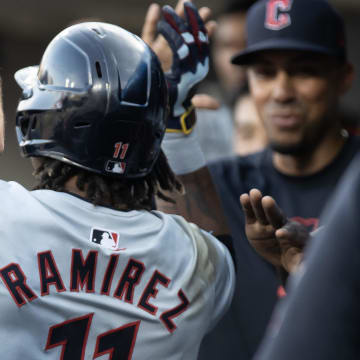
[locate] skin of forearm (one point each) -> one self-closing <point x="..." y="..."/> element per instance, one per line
<point x="200" y="204"/>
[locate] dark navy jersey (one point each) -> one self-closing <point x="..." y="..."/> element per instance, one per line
<point x="302" y="198"/>
<point x="320" y="318"/>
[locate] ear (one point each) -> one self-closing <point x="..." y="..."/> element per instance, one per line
<point x="347" y="78"/>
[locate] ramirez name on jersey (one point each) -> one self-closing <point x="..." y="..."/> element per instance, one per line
<point x="82" y="278"/>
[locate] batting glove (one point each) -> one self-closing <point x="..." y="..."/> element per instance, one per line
<point x="189" y="43"/>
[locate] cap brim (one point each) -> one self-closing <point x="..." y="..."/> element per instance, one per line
<point x="27" y="77"/>
<point x="245" y="57"/>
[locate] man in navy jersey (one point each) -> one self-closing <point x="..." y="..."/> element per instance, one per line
<point x="298" y="70"/>
<point x="320" y="316"/>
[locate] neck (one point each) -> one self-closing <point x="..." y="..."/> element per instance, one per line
<point x="71" y="187"/>
<point x="311" y="163"/>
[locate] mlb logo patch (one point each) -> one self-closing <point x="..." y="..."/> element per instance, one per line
<point x="106" y="238"/>
<point x="115" y="167"/>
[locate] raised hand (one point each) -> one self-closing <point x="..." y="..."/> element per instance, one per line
<point x="189" y="43"/>
<point x="262" y="219"/>
<point x="161" y="47"/>
<point x="274" y="237"/>
<point x="156" y="42"/>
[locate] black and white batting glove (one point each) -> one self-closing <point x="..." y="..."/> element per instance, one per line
<point x="189" y="43"/>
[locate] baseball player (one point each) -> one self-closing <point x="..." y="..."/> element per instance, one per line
<point x="87" y="269"/>
<point x="298" y="70"/>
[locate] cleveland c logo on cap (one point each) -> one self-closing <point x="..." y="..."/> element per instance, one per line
<point x="276" y="17"/>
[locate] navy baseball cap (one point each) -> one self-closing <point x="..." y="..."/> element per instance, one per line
<point x="306" y="25"/>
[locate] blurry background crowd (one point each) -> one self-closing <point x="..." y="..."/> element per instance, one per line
<point x="26" y="27"/>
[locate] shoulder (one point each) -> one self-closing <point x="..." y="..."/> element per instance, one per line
<point x="13" y="197"/>
<point x="11" y="189"/>
<point x="236" y="163"/>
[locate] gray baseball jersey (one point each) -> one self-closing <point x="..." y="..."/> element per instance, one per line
<point x="82" y="282"/>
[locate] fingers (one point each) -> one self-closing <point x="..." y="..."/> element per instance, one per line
<point x="179" y="8"/>
<point x="273" y="213"/>
<point x="289" y="238"/>
<point x="210" y="27"/>
<point x="293" y="234"/>
<point x="197" y="28"/>
<point x="149" y="30"/>
<point x="194" y="19"/>
<point x="205" y="13"/>
<point x="173" y="19"/>
<point x="252" y="207"/>
<point x="203" y="101"/>
<point x="262" y="209"/>
<point x="187" y="38"/>
<point x="283" y="234"/>
<point x="291" y="259"/>
<point x="171" y="27"/>
<point x="169" y="30"/>
<point x="256" y="203"/>
<point x="250" y="217"/>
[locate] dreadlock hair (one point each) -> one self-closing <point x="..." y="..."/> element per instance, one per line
<point x="122" y="194"/>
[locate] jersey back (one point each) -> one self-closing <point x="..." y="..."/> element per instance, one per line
<point x="79" y="281"/>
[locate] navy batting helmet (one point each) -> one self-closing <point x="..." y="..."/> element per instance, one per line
<point x="98" y="100"/>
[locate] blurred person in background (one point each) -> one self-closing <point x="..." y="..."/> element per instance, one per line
<point x="228" y="39"/>
<point x="215" y="128"/>
<point x="319" y="318"/>
<point x="296" y="80"/>
<point x="298" y="70"/>
<point x="249" y="134"/>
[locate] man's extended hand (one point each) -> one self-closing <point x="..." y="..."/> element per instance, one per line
<point x="274" y="237"/>
<point x="161" y="47"/>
